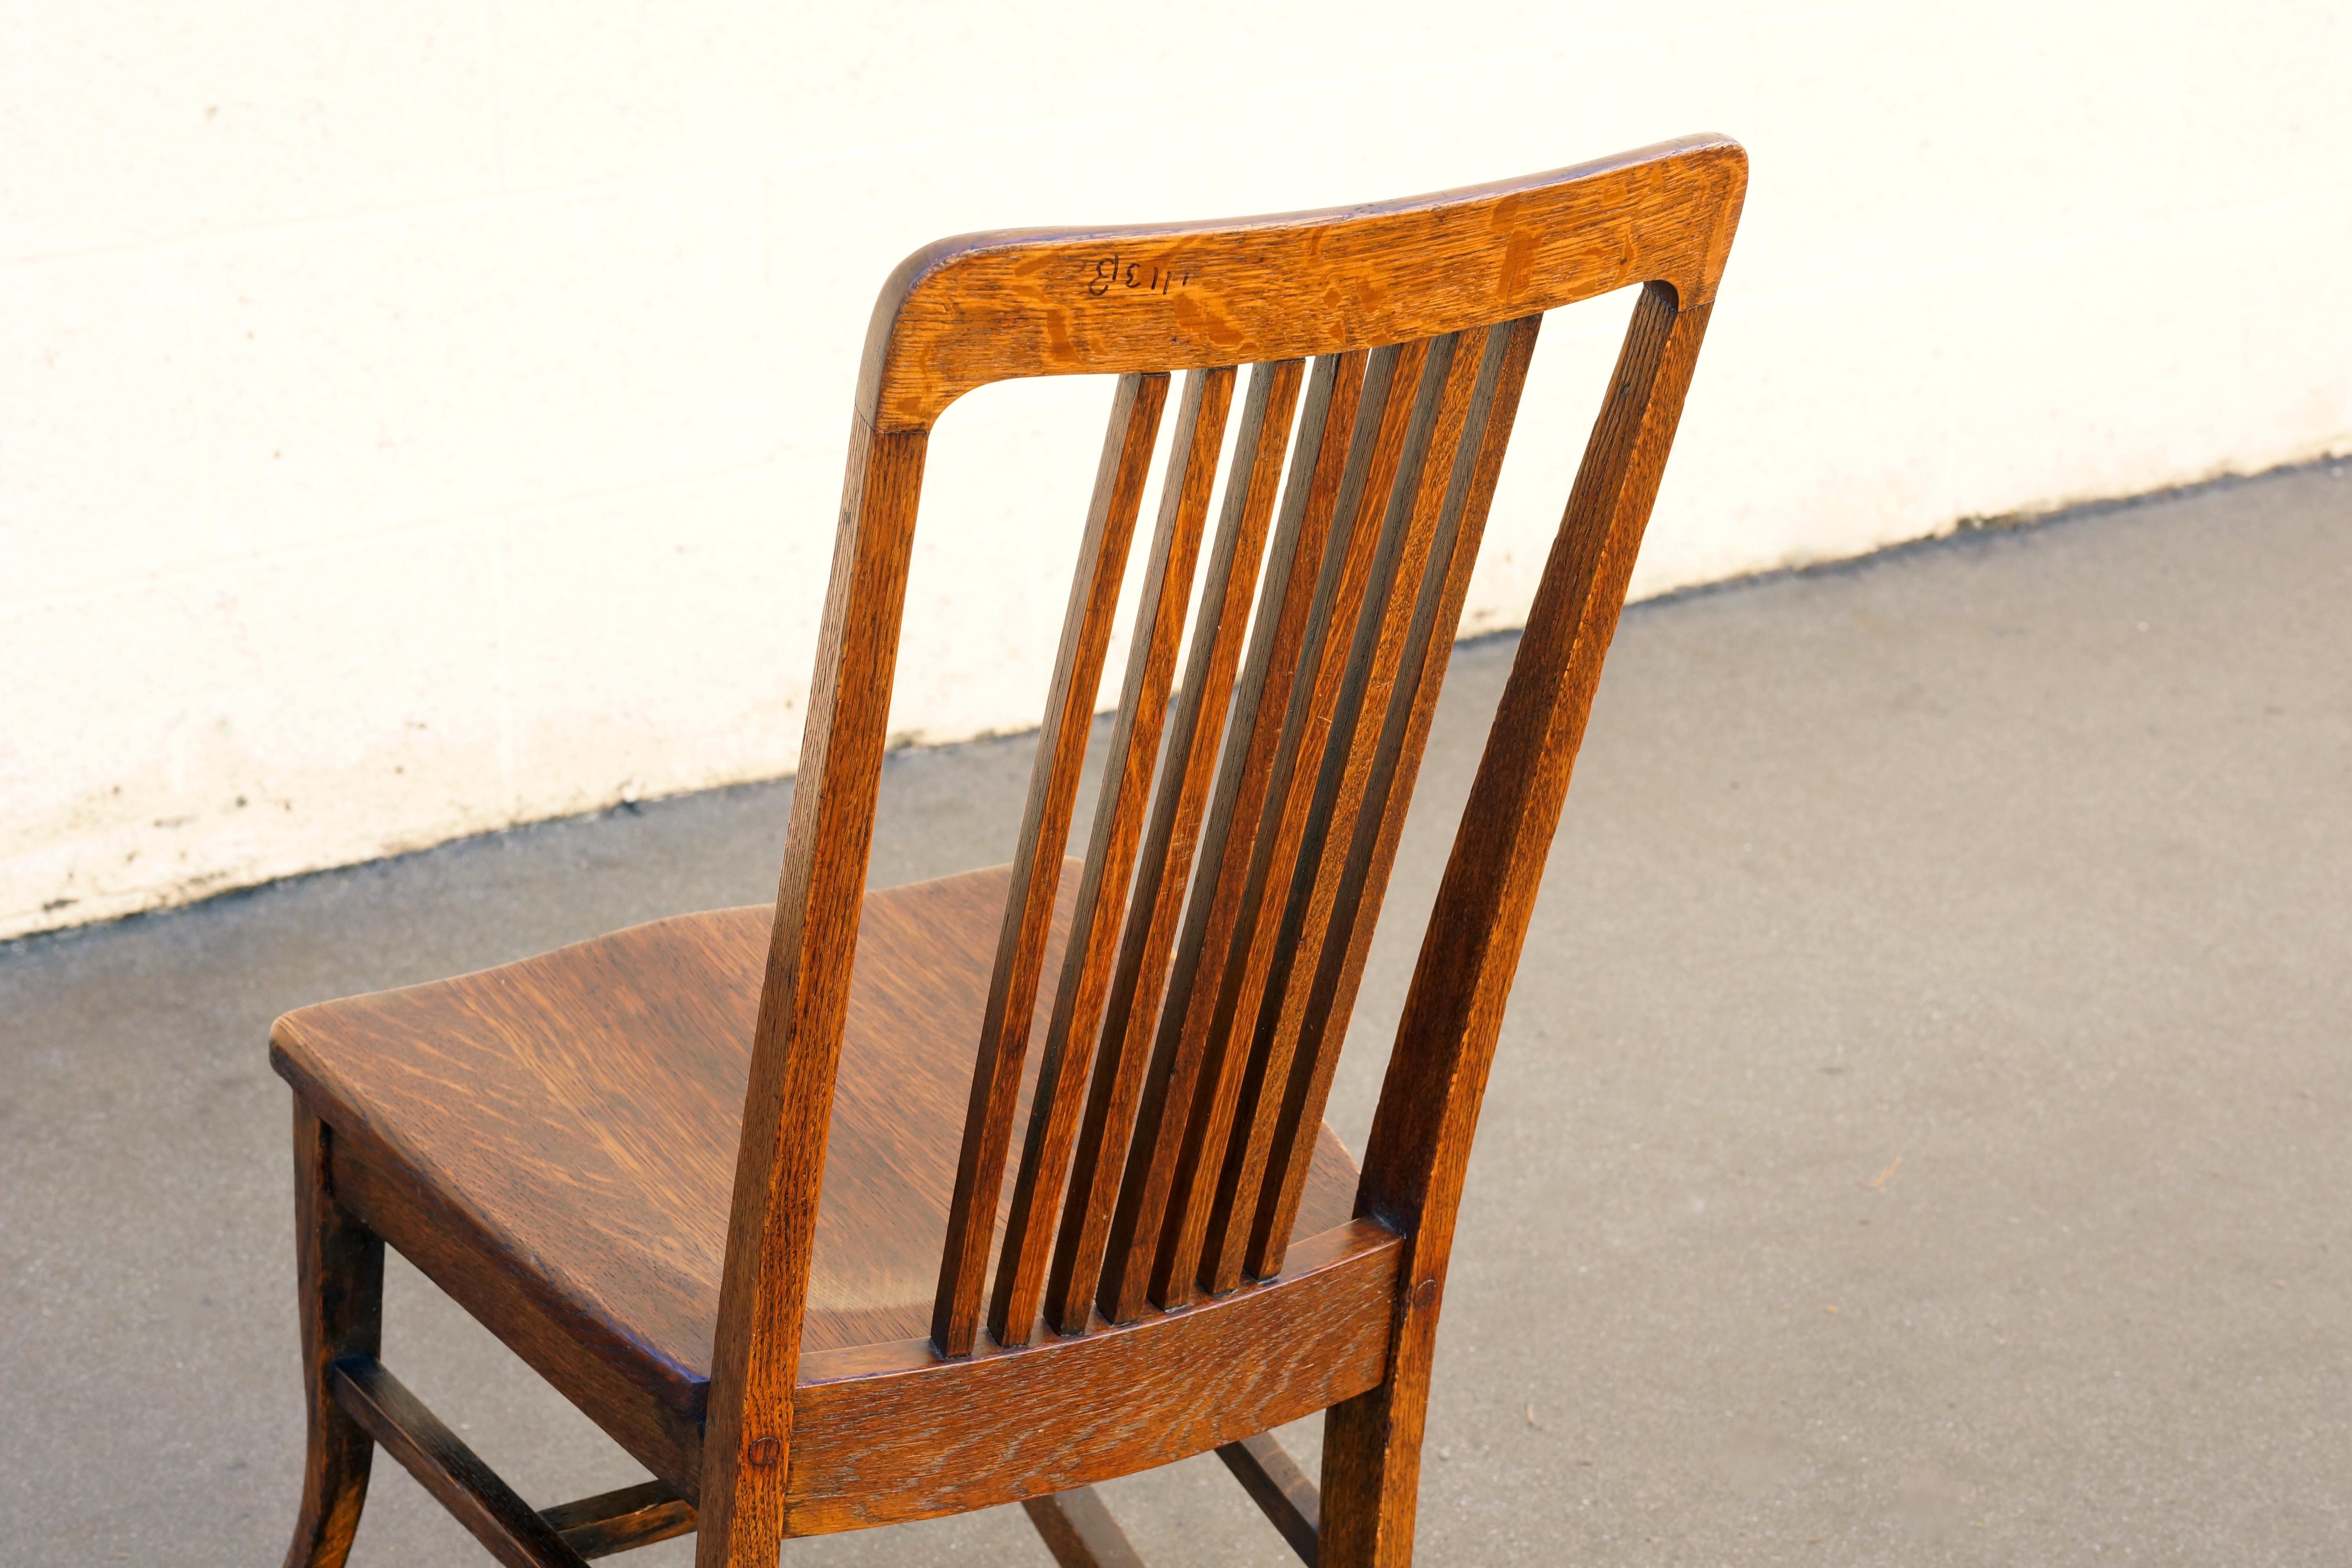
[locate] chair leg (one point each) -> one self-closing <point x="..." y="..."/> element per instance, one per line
<point x="339" y="1269"/>
<point x="1291" y="1502"/>
<point x="1371" y="1475"/>
<point x="1079" y="1530"/>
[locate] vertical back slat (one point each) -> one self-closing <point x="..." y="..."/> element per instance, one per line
<point x="1417" y="1151"/>
<point x="1127" y="783"/>
<point x="1263" y="1029"/>
<point x="1290" y="1141"/>
<point x="1133" y="1007"/>
<point x="977" y="310"/>
<point x="1198" y="984"/>
<point x="1037" y="861"/>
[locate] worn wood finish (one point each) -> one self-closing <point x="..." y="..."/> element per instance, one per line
<point x="1134" y="1007"/>
<point x="1118" y="826"/>
<point x="1134" y="751"/>
<point x="804" y="1000"/>
<point x="1265" y="1037"/>
<point x="1244" y="961"/>
<point x="512" y="1144"/>
<point x="446" y="1468"/>
<point x="987" y="307"/>
<point x="898" y="1431"/>
<point x="621" y="1520"/>
<point x="339" y="1273"/>
<point x="1079" y="1530"/>
<point x="1509" y="348"/>
<point x="1419" y="1145"/>
<point x="1276" y="1484"/>
<point x="612" y="1155"/>
<point x="1046" y="825"/>
<point x="1196" y="1020"/>
<point x="658" y="1423"/>
<point x="575" y="1131"/>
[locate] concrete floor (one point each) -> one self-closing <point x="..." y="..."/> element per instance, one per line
<point x="1919" y="1136"/>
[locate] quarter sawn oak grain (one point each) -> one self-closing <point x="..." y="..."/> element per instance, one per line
<point x="736" y="1182"/>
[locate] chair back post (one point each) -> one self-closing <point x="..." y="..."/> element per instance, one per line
<point x="1418" y="1148"/>
<point x="1149" y="300"/>
<point x="796" y="1049"/>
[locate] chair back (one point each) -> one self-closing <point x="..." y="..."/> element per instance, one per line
<point x="1249" y="812"/>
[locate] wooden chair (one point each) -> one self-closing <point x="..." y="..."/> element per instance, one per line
<point x="612" y="1154"/>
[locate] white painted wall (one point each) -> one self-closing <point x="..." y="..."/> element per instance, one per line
<point x="423" y="418"/>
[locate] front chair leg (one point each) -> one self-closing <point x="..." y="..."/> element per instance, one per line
<point x="340" y="1268"/>
<point x="1079" y="1530"/>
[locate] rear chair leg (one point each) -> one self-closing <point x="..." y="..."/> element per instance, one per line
<point x="340" y="1268"/>
<point x="1371" y="1477"/>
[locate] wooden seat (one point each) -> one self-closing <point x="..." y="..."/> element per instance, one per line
<point x="575" y="1116"/>
<point x="876" y="1207"/>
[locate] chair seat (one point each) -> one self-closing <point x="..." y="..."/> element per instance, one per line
<point x="572" y="1120"/>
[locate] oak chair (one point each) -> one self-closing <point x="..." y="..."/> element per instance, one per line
<point x="612" y="1155"/>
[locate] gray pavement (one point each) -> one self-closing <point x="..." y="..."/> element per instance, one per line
<point x="1919" y="1135"/>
